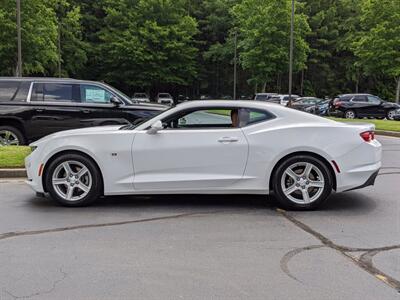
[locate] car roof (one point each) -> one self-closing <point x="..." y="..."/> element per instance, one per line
<point x="352" y="95"/>
<point x="48" y="79"/>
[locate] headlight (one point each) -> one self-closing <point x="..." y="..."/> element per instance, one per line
<point x="33" y="148"/>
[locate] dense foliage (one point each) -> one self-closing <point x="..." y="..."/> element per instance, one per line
<point x="187" y="46"/>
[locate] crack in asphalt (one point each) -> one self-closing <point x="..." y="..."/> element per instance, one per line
<point x="364" y="262"/>
<point x="13" y="234"/>
<point x="39" y="293"/>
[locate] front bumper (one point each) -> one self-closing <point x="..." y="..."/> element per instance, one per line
<point x="32" y="165"/>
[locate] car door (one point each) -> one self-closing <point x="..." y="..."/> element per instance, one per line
<point x="359" y="104"/>
<point x="197" y="150"/>
<point x="375" y="107"/>
<point x="54" y="108"/>
<point x="97" y="109"/>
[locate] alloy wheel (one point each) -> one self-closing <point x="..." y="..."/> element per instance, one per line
<point x="72" y="180"/>
<point x="8" y="138"/>
<point x="350" y="114"/>
<point x="303" y="183"/>
<point x="391" y="114"/>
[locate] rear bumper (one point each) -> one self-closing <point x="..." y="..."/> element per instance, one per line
<point x="370" y="181"/>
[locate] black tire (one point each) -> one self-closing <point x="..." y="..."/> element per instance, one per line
<point x="16" y="132"/>
<point x="284" y="200"/>
<point x="350" y="114"/>
<point x="93" y="193"/>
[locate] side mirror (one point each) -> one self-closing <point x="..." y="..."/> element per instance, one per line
<point x="155" y="127"/>
<point x="114" y="100"/>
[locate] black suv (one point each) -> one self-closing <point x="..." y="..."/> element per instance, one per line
<point x="31" y="108"/>
<point x="351" y="106"/>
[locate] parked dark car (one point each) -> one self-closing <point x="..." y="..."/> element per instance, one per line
<point x="308" y="104"/>
<point x="31" y="108"/>
<point x="351" y="106"/>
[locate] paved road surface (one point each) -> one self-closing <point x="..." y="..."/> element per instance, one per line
<point x="203" y="247"/>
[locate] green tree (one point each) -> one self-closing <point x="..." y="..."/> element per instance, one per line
<point x="39" y="36"/>
<point x="378" y="47"/>
<point x="72" y="48"/>
<point x="147" y="43"/>
<point x="264" y="28"/>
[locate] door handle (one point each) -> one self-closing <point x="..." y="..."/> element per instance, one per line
<point x="85" y="111"/>
<point x="39" y="110"/>
<point x="227" y="139"/>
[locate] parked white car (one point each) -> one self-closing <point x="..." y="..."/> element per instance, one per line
<point x="213" y="147"/>
<point x="140" y="97"/>
<point x="264" y="96"/>
<point x="284" y="99"/>
<point x="165" y="98"/>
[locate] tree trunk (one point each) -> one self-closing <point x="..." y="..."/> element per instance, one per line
<point x="255" y="88"/>
<point x="398" y="90"/>
<point x="264" y="86"/>
<point x="302" y="83"/>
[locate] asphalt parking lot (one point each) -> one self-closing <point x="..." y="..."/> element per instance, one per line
<point x="204" y="247"/>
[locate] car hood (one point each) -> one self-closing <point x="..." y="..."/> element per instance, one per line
<point x="81" y="131"/>
<point x="141" y="105"/>
<point x="391" y="104"/>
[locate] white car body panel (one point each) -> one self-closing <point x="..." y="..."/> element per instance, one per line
<point x="193" y="161"/>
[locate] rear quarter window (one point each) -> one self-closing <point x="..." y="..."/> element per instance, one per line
<point x="8" y="90"/>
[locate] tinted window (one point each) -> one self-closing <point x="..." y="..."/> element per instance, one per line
<point x="8" y="89"/>
<point x="94" y="94"/>
<point x="262" y="97"/>
<point x="374" y="100"/>
<point x="57" y="92"/>
<point x="359" y="99"/>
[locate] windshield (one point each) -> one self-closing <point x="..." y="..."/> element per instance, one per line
<point x="140" y="96"/>
<point x="262" y="97"/>
<point x="164" y="96"/>
<point x="140" y="121"/>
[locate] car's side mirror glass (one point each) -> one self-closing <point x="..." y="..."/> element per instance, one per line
<point x="116" y="101"/>
<point x="155" y="127"/>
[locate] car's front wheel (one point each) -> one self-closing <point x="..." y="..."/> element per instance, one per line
<point x="10" y="136"/>
<point x="73" y="180"/>
<point x="390" y="114"/>
<point x="302" y="182"/>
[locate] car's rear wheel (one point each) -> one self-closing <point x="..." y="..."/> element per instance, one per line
<point x="11" y="136"/>
<point x="73" y="180"/>
<point x="350" y="114"/>
<point x="302" y="182"/>
<point x="390" y="114"/>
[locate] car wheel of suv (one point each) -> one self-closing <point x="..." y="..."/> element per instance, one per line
<point x="390" y="114"/>
<point x="73" y="180"/>
<point x="350" y="114"/>
<point x="10" y="136"/>
<point x="302" y="182"/>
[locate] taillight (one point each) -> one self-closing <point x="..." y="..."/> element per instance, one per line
<point x="337" y="103"/>
<point x="368" y="136"/>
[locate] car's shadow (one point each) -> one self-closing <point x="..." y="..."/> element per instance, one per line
<point x="348" y="203"/>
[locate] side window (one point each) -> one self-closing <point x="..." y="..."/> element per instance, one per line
<point x="57" y="92"/>
<point x="94" y="94"/>
<point x="37" y="92"/>
<point x="374" y="100"/>
<point x="359" y="99"/>
<point x="218" y="118"/>
<point x="8" y="89"/>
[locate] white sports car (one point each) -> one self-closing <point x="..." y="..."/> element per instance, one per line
<point x="213" y="147"/>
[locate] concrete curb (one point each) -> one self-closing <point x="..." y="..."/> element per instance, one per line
<point x="388" y="133"/>
<point x="13" y="173"/>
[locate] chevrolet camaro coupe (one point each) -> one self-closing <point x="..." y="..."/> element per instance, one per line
<point x="209" y="147"/>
